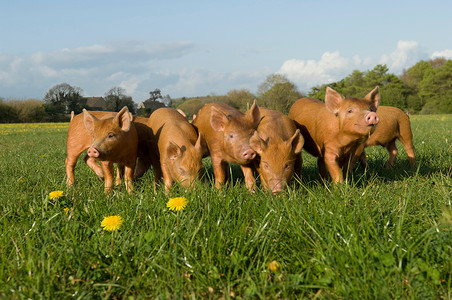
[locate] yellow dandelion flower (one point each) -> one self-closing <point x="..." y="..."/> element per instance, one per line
<point x="176" y="204"/>
<point x="66" y="210"/>
<point x="273" y="266"/>
<point x="111" y="223"/>
<point x="55" y="195"/>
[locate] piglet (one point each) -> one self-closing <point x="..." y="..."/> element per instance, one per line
<point x="394" y="124"/>
<point x="227" y="132"/>
<point x="335" y="131"/>
<point x="111" y="139"/>
<point x="278" y="144"/>
<point x="178" y="147"/>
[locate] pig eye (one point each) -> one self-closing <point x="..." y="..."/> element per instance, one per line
<point x="111" y="135"/>
<point x="231" y="135"/>
<point x="350" y="110"/>
<point x="265" y="165"/>
<point x="286" y="166"/>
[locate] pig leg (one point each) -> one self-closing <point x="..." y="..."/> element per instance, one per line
<point x="119" y="174"/>
<point x="73" y="152"/>
<point x="346" y="164"/>
<point x="108" y="170"/>
<point x="91" y="162"/>
<point x="392" y="149"/>
<point x="167" y="180"/>
<point x="143" y="165"/>
<point x="128" y="175"/>
<point x="363" y="160"/>
<point x="359" y="155"/>
<point x="333" y="167"/>
<point x="322" y="168"/>
<point x="157" y="171"/>
<point x="250" y="181"/>
<point x="298" y="164"/>
<point x="219" y="171"/>
<point x="70" y="167"/>
<point x="409" y="149"/>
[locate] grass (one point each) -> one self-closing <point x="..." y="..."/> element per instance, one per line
<point x="384" y="235"/>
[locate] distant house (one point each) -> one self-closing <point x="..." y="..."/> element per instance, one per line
<point x="150" y="105"/>
<point x="93" y="103"/>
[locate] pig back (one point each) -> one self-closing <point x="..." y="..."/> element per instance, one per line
<point x="274" y="124"/>
<point x="312" y="119"/>
<point x="393" y="123"/>
<point x="167" y="124"/>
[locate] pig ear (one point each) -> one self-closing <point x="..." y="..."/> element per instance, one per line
<point x="174" y="151"/>
<point x="297" y="142"/>
<point x="218" y="119"/>
<point x="333" y="100"/>
<point x="254" y="114"/>
<point x="88" y="120"/>
<point x="124" y="119"/>
<point x="258" y="144"/>
<point x="374" y="97"/>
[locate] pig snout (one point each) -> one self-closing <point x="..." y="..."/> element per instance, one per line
<point x="372" y="118"/>
<point x="93" y="152"/>
<point x="276" y="186"/>
<point x="248" y="154"/>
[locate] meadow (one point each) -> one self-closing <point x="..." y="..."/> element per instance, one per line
<point x="382" y="235"/>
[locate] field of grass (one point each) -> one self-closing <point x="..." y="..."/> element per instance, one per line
<point x="384" y="235"/>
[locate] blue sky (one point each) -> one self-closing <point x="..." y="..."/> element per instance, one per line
<point x="196" y="48"/>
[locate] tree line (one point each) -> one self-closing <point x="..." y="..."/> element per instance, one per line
<point x="424" y="88"/>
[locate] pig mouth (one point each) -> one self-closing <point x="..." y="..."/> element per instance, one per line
<point x="366" y="125"/>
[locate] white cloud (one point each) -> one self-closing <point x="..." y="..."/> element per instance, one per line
<point x="445" y="53"/>
<point x="407" y="54"/>
<point x="333" y="67"/>
<point x="175" y="69"/>
<point x="94" y="68"/>
<point x="130" y="85"/>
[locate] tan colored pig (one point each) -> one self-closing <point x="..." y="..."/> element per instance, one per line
<point x="227" y="132"/>
<point x="178" y="146"/>
<point x="394" y="124"/>
<point x="111" y="138"/>
<point x="278" y="144"/>
<point x="79" y="139"/>
<point x="335" y="131"/>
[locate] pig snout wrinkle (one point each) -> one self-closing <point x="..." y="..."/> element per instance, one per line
<point x="249" y="154"/>
<point x="93" y="152"/>
<point x="372" y="118"/>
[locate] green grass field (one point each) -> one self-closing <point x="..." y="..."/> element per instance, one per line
<point x="384" y="235"/>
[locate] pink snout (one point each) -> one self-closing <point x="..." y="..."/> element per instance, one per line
<point x="249" y="154"/>
<point x="93" y="152"/>
<point x="277" y="188"/>
<point x="372" y="118"/>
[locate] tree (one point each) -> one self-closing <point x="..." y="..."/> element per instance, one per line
<point x="28" y="111"/>
<point x="63" y="98"/>
<point x="435" y="89"/>
<point x="269" y="82"/>
<point x="278" y="93"/>
<point x="358" y="84"/>
<point x="115" y="100"/>
<point x="241" y="99"/>
<point x="155" y="95"/>
<point x="7" y="113"/>
<point x="191" y="106"/>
